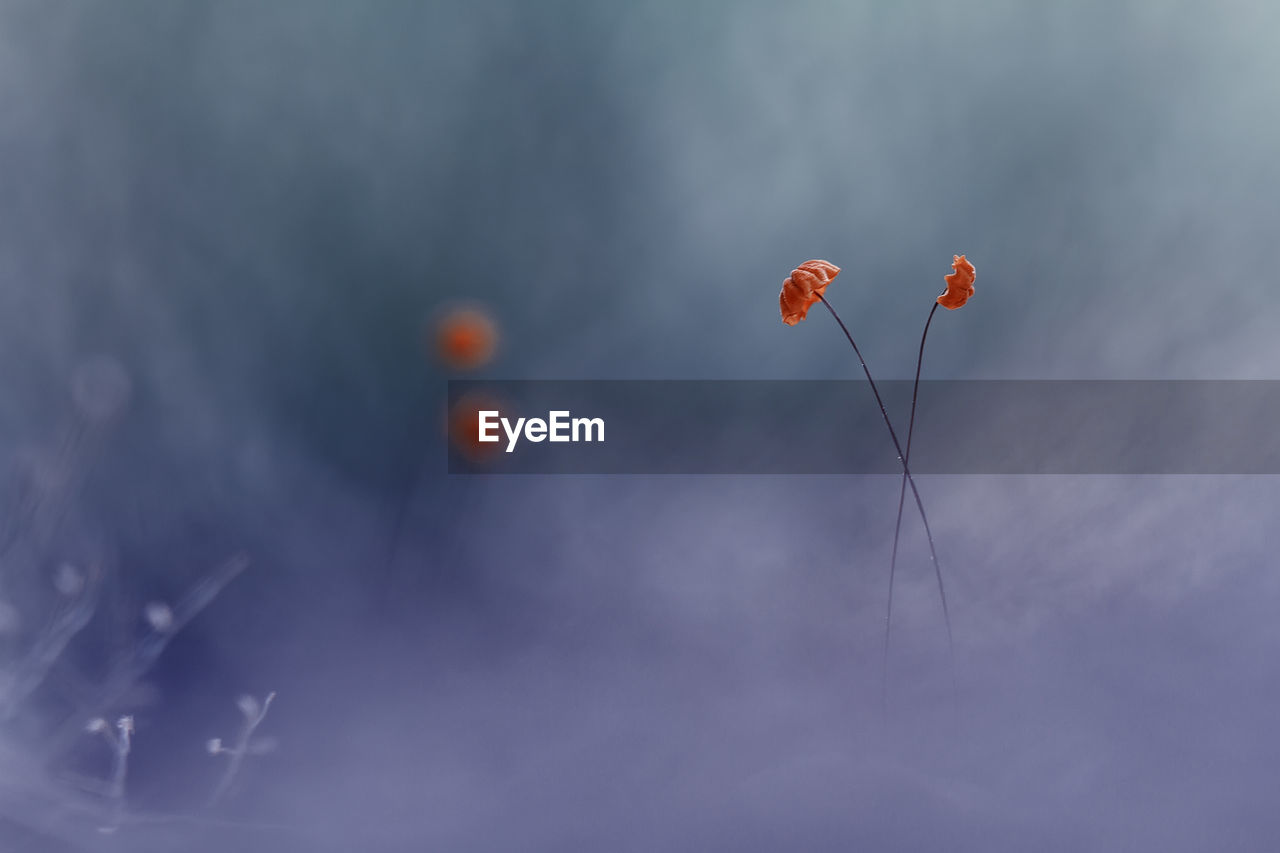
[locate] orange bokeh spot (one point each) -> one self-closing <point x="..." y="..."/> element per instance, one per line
<point x="803" y="288"/>
<point x="959" y="284"/>
<point x="465" y="339"/>
<point x="463" y="426"/>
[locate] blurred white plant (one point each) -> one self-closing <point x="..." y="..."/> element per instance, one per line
<point x="29" y="672"/>
<point x="254" y="713"/>
<point x="159" y="616"/>
<point x="57" y="568"/>
<point x="164" y="623"/>
<point x="121" y="743"/>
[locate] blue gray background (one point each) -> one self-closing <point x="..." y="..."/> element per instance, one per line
<point x="256" y="209"/>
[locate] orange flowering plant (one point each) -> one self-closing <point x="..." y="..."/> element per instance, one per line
<point x="805" y="287"/>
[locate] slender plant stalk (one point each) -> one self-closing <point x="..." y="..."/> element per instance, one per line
<point x="906" y="475"/>
<point x="123" y="744"/>
<point x="897" y="526"/>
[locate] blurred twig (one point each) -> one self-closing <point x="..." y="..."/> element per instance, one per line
<point x="254" y="713"/>
<point x="35" y="665"/>
<point x="144" y="653"/>
<point x="121" y="742"/>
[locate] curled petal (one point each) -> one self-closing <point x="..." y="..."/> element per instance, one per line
<point x="959" y="284"/>
<point x="803" y="288"/>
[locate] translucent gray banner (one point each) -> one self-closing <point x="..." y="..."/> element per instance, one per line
<point x="835" y="427"/>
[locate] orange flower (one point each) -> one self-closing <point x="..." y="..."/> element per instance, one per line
<point x="959" y="284"/>
<point x="803" y="288"/>
<point x="465" y="338"/>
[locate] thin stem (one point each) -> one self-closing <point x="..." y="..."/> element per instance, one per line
<point x="897" y="526"/>
<point x="906" y="472"/>
<point x="123" y="743"/>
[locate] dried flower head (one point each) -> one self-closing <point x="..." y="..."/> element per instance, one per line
<point x="806" y="284"/>
<point x="959" y="284"/>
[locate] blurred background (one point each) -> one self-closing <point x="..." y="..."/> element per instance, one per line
<point x="234" y="237"/>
